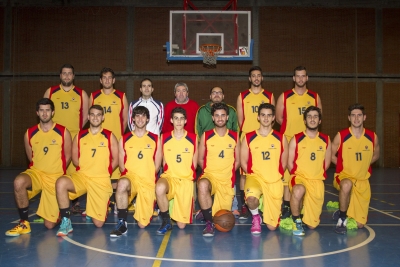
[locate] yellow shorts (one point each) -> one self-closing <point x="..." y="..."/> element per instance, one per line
<point x="145" y="198"/>
<point x="223" y="193"/>
<point x="313" y="199"/>
<point x="272" y="197"/>
<point x="181" y="191"/>
<point x="116" y="174"/>
<point x="98" y="192"/>
<point x="359" y="198"/>
<point x="41" y="182"/>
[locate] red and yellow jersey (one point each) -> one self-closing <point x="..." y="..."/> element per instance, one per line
<point x="250" y="104"/>
<point x="113" y="106"/>
<point x="265" y="154"/>
<point x="309" y="159"/>
<point x="354" y="155"/>
<point x="294" y="106"/>
<point x="95" y="158"/>
<point x="140" y="153"/>
<point x="219" y="156"/>
<point x="68" y="108"/>
<point x="178" y="155"/>
<point x="48" y="153"/>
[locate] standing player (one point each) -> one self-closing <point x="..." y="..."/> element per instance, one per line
<point x="357" y="148"/>
<point x="247" y="111"/>
<point x="115" y="108"/>
<point x="182" y="100"/>
<point x="155" y="107"/>
<point x="139" y="160"/>
<point x="219" y="159"/>
<point x="95" y="153"/>
<point x="48" y="147"/>
<point x="290" y="107"/>
<point x="72" y="106"/>
<point x="180" y="161"/>
<point x="263" y="157"/>
<point x="309" y="157"/>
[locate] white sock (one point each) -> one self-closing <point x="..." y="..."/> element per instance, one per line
<point x="254" y="212"/>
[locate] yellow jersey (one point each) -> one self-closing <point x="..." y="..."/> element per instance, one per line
<point x="265" y="153"/>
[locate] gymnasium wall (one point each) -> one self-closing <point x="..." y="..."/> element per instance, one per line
<point x="338" y="46"/>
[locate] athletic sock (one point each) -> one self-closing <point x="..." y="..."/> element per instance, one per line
<point x="295" y="218"/>
<point x="207" y="214"/>
<point x="23" y="213"/>
<point x="122" y="214"/>
<point x="65" y="213"/>
<point x="242" y="197"/>
<point x="286" y="203"/>
<point x="254" y="212"/>
<point x="342" y="214"/>
<point x="164" y="215"/>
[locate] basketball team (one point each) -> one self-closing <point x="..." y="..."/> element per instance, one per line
<point x="153" y="165"/>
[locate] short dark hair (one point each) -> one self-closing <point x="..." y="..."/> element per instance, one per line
<point x="253" y="69"/>
<point x="45" y="101"/>
<point x="299" y="68"/>
<point x="105" y="70"/>
<point x="140" y="110"/>
<point x="266" y="106"/>
<point x="216" y="87"/>
<point x="98" y="107"/>
<point x="311" y="108"/>
<point x="218" y="106"/>
<point x="67" y="66"/>
<point x="356" y="106"/>
<point x="146" y="79"/>
<point x="178" y="110"/>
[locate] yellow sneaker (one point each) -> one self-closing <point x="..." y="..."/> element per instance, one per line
<point x="22" y="228"/>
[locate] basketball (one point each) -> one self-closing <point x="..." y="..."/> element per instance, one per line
<point x="224" y="220"/>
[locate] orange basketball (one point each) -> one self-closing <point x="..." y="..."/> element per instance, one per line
<point x="224" y="220"/>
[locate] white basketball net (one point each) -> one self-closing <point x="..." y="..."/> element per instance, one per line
<point x="210" y="53"/>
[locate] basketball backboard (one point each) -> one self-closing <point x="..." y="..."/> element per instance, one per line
<point x="189" y="30"/>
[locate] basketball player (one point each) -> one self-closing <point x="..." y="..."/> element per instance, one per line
<point x="182" y="100"/>
<point x="219" y="159"/>
<point x="72" y="106"/>
<point x="140" y="158"/>
<point x="247" y="111"/>
<point x="95" y="153"/>
<point x="290" y="107"/>
<point x="309" y="157"/>
<point x="180" y="161"/>
<point x="48" y="147"/>
<point x="263" y="156"/>
<point x="353" y="151"/>
<point x="155" y="107"/>
<point x="115" y="108"/>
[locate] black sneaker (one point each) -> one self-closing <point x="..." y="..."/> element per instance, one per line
<point x="286" y="213"/>
<point x="244" y="212"/>
<point x="341" y="226"/>
<point x="165" y="226"/>
<point x="76" y="210"/>
<point x="335" y="215"/>
<point x="120" y="229"/>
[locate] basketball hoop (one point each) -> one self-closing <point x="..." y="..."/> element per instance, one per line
<point x="210" y="53"/>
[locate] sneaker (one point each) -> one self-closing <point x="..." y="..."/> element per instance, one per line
<point x="244" y="212"/>
<point x="115" y="209"/>
<point x="256" y="225"/>
<point x="335" y="215"/>
<point x="286" y="213"/>
<point x="76" y="209"/>
<point x="297" y="228"/>
<point x="165" y="226"/>
<point x="199" y="216"/>
<point x="209" y="230"/>
<point x="120" y="229"/>
<point x="22" y="228"/>
<point x="236" y="213"/>
<point x="341" y="226"/>
<point x="155" y="212"/>
<point x="65" y="227"/>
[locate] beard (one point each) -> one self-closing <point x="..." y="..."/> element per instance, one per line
<point x="67" y="84"/>
<point x="312" y="128"/>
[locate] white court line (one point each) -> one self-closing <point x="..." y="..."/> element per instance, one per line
<point x="365" y="242"/>
<point x="388" y="214"/>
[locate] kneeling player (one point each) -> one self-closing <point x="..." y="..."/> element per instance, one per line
<point x="139" y="161"/>
<point x="309" y="157"/>
<point x="219" y="159"/>
<point x="95" y="153"/>
<point x="263" y="157"/>
<point x="176" y="183"/>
